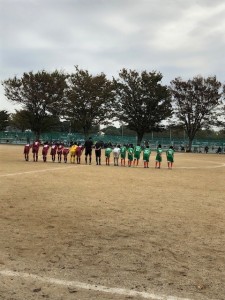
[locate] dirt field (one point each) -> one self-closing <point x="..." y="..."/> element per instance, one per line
<point x="98" y="232"/>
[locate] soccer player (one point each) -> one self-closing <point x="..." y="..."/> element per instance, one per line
<point x="53" y="151"/>
<point x="88" y="145"/>
<point x="79" y="151"/>
<point x="116" y="154"/>
<point x="108" y="151"/>
<point x="170" y="157"/>
<point x="146" y="156"/>
<point x="137" y="154"/>
<point x="73" y="149"/>
<point x="98" y="148"/>
<point x="45" y="151"/>
<point x="158" y="158"/>
<point x="130" y="155"/>
<point x="35" y="149"/>
<point x="123" y="152"/>
<point x="66" y="151"/>
<point x="26" y="151"/>
<point x="60" y="151"/>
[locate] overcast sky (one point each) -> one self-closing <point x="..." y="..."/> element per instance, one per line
<point x="175" y="37"/>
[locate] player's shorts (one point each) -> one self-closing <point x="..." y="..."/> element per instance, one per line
<point x="123" y="155"/>
<point x="88" y="152"/>
<point x="73" y="153"/>
<point x="78" y="152"/>
<point x="137" y="156"/>
<point x="98" y="153"/>
<point x="146" y="158"/>
<point x="170" y="159"/>
<point x="44" y="152"/>
<point x="53" y="152"/>
<point x="158" y="158"/>
<point x="35" y="150"/>
<point x="130" y="157"/>
<point x="26" y="150"/>
<point x="65" y="151"/>
<point x="116" y="154"/>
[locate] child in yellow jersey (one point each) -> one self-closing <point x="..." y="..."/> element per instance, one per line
<point x="73" y="149"/>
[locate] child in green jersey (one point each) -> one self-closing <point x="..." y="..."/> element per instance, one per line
<point x="158" y="158"/>
<point x="170" y="157"/>
<point x="146" y="155"/>
<point x="130" y="157"/>
<point x="123" y="152"/>
<point x="108" y="151"/>
<point x="137" y="154"/>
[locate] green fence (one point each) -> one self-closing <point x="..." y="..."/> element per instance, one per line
<point x="179" y="144"/>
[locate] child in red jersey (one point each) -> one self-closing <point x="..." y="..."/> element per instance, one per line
<point x="35" y="149"/>
<point x="79" y="151"/>
<point x="60" y="152"/>
<point x="66" y="151"/>
<point x="53" y="151"/>
<point x="45" y="151"/>
<point x="26" y="151"/>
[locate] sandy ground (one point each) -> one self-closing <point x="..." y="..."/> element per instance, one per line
<point x="156" y="231"/>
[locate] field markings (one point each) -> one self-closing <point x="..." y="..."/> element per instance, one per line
<point x="72" y="166"/>
<point x="204" y="167"/>
<point x="90" y="287"/>
<point x="35" y="171"/>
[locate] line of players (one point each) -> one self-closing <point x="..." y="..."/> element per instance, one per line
<point x="132" y="153"/>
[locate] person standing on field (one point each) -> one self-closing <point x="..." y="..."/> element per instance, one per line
<point x="116" y="154"/>
<point x="88" y="145"/>
<point x="53" y="151"/>
<point x="26" y="151"/>
<point x="79" y="151"/>
<point x="35" y="150"/>
<point x="137" y="154"/>
<point x="170" y="157"/>
<point x="146" y="156"/>
<point x="60" y="151"/>
<point x="73" y="149"/>
<point x="45" y="151"/>
<point x="108" y="151"/>
<point x="98" y="150"/>
<point x="130" y="155"/>
<point x="158" y="158"/>
<point x="123" y="152"/>
<point x="66" y="151"/>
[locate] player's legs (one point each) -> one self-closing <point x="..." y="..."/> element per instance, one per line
<point x="65" y="158"/>
<point x="36" y="156"/>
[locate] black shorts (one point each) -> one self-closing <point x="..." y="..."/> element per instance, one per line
<point x="98" y="153"/>
<point x="88" y="152"/>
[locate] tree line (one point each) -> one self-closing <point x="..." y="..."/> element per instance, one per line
<point x="138" y="100"/>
